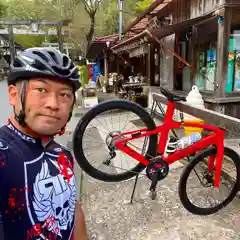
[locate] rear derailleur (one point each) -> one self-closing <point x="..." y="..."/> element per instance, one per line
<point x="156" y="171"/>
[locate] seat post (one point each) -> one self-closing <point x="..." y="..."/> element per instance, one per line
<point x="170" y="112"/>
<point x="168" y="119"/>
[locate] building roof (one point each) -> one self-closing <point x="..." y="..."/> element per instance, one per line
<point x="151" y="10"/>
<point x="104" y="39"/>
<point x="99" y="45"/>
<point x="138" y="25"/>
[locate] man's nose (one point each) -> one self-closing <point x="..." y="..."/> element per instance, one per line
<point x="53" y="102"/>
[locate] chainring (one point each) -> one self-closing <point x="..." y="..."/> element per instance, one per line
<point x="159" y="167"/>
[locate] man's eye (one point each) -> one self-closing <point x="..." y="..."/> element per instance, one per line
<point x="42" y="90"/>
<point x="65" y="95"/>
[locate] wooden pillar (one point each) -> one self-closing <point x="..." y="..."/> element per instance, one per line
<point x="106" y="69"/>
<point x="60" y="38"/>
<point x="11" y="42"/>
<point x="149" y="65"/>
<point x="152" y="65"/>
<point x="118" y="64"/>
<point x="224" y="29"/>
<point x="194" y="55"/>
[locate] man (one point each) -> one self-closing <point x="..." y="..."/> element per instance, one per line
<point x="37" y="184"/>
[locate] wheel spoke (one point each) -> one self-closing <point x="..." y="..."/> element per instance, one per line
<point x="205" y="199"/>
<point x="105" y="127"/>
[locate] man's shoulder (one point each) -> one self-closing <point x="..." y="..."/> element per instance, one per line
<point x="6" y="138"/>
<point x="3" y="130"/>
<point x="7" y="147"/>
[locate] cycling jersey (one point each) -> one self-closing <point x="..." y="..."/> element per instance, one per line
<point x="37" y="187"/>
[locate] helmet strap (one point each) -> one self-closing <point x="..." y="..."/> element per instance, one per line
<point x="21" y="117"/>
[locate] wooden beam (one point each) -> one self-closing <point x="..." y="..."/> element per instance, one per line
<point x="230" y="124"/>
<point x="149" y="65"/>
<point x="29" y="22"/>
<point x="106" y="68"/>
<point x="224" y="29"/>
<point x="194" y="54"/>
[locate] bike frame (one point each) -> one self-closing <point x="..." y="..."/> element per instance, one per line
<point x="216" y="138"/>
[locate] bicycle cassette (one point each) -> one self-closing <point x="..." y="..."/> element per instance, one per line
<point x="159" y="167"/>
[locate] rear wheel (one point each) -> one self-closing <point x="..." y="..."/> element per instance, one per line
<point x="222" y="196"/>
<point x="98" y="126"/>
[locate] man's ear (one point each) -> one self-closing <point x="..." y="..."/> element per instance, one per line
<point x="12" y="95"/>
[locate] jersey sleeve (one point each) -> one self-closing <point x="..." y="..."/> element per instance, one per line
<point x="3" y="163"/>
<point x="4" y="155"/>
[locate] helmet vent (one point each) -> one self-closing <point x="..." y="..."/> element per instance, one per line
<point x="55" y="59"/>
<point x="38" y="65"/>
<point x="17" y="63"/>
<point x="61" y="71"/>
<point x="65" y="61"/>
<point x="41" y="55"/>
<point x="72" y="66"/>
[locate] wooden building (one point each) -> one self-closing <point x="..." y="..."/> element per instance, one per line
<point x="191" y="42"/>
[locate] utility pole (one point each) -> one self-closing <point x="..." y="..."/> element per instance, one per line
<point x="120" y="2"/>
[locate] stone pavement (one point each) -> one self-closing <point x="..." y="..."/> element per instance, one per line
<point x="109" y="215"/>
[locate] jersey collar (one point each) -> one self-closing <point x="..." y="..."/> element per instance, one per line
<point x="27" y="138"/>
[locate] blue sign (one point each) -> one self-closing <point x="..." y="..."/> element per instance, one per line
<point x="96" y="71"/>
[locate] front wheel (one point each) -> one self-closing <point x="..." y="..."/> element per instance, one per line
<point x="229" y="185"/>
<point x="93" y="141"/>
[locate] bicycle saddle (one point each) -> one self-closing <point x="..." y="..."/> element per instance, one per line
<point x="171" y="97"/>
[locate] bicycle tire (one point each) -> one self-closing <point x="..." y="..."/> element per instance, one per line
<point x="184" y="177"/>
<point x="91" y="114"/>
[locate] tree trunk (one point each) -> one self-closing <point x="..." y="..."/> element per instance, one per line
<point x="91" y="31"/>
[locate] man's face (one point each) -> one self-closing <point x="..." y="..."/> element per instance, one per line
<point x="48" y="104"/>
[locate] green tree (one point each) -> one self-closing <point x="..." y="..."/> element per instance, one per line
<point x="91" y="7"/>
<point x="3" y="8"/>
<point x="108" y="16"/>
<point x="31" y="10"/>
<point x="143" y="4"/>
<point x="89" y="18"/>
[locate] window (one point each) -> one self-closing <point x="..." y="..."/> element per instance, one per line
<point x="233" y="76"/>
<point x="206" y="64"/>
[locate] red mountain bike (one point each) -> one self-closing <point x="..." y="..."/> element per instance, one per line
<point x="209" y="152"/>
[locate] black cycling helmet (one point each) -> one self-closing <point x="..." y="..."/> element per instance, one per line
<point x="43" y="62"/>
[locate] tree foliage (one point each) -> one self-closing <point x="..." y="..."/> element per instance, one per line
<point x="88" y="17"/>
<point x="141" y="5"/>
<point x="3" y="8"/>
